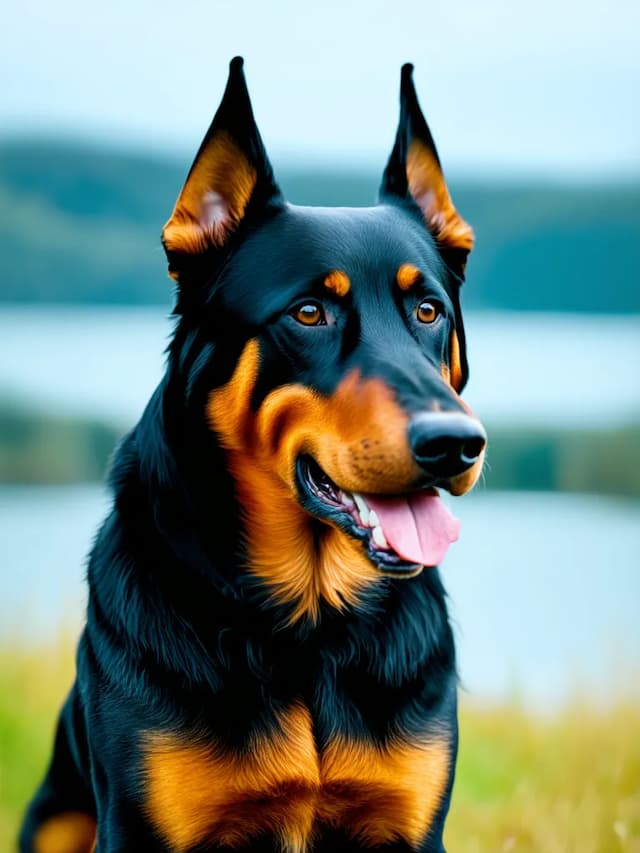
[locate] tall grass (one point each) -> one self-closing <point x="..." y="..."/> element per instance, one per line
<point x="555" y="783"/>
<point x="32" y="685"/>
<point x="551" y="783"/>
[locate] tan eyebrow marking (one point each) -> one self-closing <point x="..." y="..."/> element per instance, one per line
<point x="337" y="281"/>
<point x="407" y="276"/>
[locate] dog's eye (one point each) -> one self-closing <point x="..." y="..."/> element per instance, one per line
<point x="428" y="312"/>
<point x="309" y="314"/>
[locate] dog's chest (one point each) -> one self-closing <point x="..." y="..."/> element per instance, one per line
<point x="285" y="786"/>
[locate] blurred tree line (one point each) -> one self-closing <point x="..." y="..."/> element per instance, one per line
<point x="40" y="447"/>
<point x="82" y="224"/>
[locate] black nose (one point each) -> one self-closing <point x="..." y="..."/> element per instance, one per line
<point x="446" y="443"/>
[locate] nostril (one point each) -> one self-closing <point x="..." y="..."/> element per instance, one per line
<point x="471" y="449"/>
<point x="433" y="449"/>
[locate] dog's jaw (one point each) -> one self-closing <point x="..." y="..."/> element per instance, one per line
<point x="401" y="533"/>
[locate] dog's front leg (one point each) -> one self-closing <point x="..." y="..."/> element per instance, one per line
<point x="121" y="829"/>
<point x="122" y="826"/>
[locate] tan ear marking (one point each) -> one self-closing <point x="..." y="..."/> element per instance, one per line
<point x="338" y="282"/>
<point x="429" y="190"/>
<point x="213" y="199"/>
<point x="407" y="276"/>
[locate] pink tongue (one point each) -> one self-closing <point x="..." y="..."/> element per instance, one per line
<point x="418" y="527"/>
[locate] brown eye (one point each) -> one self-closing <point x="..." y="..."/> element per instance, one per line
<point x="309" y="314"/>
<point x="427" y="312"/>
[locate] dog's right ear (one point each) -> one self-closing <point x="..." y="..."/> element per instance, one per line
<point x="230" y="178"/>
<point x="414" y="174"/>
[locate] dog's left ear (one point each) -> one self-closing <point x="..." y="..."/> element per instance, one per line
<point x="414" y="173"/>
<point x="230" y="179"/>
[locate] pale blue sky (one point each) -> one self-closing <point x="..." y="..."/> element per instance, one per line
<point x="543" y="87"/>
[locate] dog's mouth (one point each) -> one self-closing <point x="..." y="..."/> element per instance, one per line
<point x="401" y="533"/>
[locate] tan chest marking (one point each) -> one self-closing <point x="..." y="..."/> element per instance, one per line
<point x="202" y="791"/>
<point x="281" y="785"/>
<point x="380" y="794"/>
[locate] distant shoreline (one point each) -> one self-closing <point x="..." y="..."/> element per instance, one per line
<point x="37" y="447"/>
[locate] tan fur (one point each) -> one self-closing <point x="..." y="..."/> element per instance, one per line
<point x="223" y="169"/>
<point x="456" y="365"/>
<point x="338" y="282"/>
<point x="407" y="276"/>
<point x="384" y="793"/>
<point x="67" y="832"/>
<point x="358" y="436"/>
<point x="284" y="784"/>
<point x="428" y="188"/>
<point x="198" y="792"/>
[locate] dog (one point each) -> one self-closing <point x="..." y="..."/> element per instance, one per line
<point x="267" y="662"/>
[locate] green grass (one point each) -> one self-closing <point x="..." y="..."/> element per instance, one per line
<point x="553" y="783"/>
<point x="32" y="685"/>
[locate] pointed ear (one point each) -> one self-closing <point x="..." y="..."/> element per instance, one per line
<point x="230" y="175"/>
<point x="414" y="172"/>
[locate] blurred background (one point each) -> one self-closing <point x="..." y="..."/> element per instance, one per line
<point x="535" y="114"/>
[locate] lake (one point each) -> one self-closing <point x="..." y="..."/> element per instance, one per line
<point x="533" y="368"/>
<point x="544" y="589"/>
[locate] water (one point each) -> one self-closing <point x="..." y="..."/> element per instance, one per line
<point x="544" y="589"/>
<point x="533" y="368"/>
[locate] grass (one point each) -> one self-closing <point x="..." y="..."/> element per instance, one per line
<point x="32" y="685"/>
<point x="553" y="783"/>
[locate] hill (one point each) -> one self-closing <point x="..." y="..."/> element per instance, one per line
<point x="82" y="224"/>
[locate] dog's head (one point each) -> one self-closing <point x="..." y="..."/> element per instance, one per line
<point x="326" y="351"/>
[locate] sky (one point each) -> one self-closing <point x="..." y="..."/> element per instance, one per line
<point x="549" y="88"/>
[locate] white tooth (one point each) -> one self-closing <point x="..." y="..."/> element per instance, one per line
<point x="347" y="500"/>
<point x="378" y="537"/>
<point x="374" y="521"/>
<point x="363" y="509"/>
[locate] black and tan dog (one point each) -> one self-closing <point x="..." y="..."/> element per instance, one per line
<point x="267" y="662"/>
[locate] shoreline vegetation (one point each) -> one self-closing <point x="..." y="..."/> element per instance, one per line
<point x="37" y="447"/>
<point x="80" y="223"/>
<point x="525" y="781"/>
